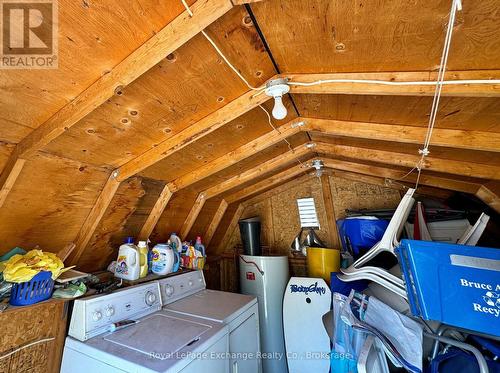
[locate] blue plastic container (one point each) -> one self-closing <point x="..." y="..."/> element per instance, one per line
<point x="362" y="232"/>
<point x="456" y="284"/>
<point x="38" y="289"/>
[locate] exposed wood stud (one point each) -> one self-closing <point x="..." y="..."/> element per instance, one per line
<point x="93" y="219"/>
<point x="193" y="214"/>
<point x="219" y="214"/>
<point x="330" y="212"/>
<point x="155" y="213"/>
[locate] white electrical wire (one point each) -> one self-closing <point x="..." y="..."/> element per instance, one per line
<point x="26" y="346"/>
<point x="393" y="83"/>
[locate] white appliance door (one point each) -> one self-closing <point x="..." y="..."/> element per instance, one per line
<point x="243" y="345"/>
<point x="265" y="277"/>
<point x="307" y="342"/>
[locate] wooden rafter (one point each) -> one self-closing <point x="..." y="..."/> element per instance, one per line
<point x="462" y="90"/>
<point x="251" y="148"/>
<point x="330" y="212"/>
<point x="450" y="166"/>
<point x="230" y="228"/>
<point x="155" y="213"/>
<point x="268" y="183"/>
<point x="192" y="133"/>
<point x="435" y="180"/>
<point x="489" y="193"/>
<point x="259" y="171"/>
<point x="93" y="219"/>
<point x="461" y="139"/>
<point x="193" y="214"/>
<point x="219" y="214"/>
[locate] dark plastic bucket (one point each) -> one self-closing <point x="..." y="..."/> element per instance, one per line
<point x="250" y="235"/>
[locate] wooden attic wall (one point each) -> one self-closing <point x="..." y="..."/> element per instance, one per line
<point x="192" y="83"/>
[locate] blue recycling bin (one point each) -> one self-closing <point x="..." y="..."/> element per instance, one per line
<point x="455" y="284"/>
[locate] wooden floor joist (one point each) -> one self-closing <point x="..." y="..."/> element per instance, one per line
<point x="155" y="213"/>
<point x="450" y="166"/>
<point x="452" y="138"/>
<point x="219" y="214"/>
<point x="364" y="88"/>
<point x="192" y="216"/>
<point x="237" y="155"/>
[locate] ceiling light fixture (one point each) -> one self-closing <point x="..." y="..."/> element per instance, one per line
<point x="276" y="88"/>
<point x="318" y="165"/>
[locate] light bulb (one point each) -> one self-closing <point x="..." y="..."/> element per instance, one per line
<point x="279" y="110"/>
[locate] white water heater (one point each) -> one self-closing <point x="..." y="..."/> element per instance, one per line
<point x="265" y="277"/>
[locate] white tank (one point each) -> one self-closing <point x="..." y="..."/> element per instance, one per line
<point x="265" y="277"/>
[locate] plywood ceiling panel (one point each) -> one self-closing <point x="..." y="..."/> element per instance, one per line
<point x="182" y="89"/>
<point x="93" y="37"/>
<point x="355" y="36"/>
<point x="51" y="194"/>
<point x="466" y="113"/>
<point x="227" y="138"/>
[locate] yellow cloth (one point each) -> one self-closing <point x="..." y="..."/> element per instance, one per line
<point x="22" y="268"/>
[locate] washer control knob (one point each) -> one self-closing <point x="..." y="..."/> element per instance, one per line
<point x="169" y="290"/>
<point x="150" y="298"/>
<point x="110" y="311"/>
<point x="97" y="315"/>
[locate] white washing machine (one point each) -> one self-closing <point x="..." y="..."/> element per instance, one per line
<point x="161" y="340"/>
<point x="186" y="295"/>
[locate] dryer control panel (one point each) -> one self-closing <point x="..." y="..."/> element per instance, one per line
<point x="180" y="286"/>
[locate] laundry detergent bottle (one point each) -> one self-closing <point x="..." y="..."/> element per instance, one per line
<point x="165" y="259"/>
<point x="128" y="262"/>
<point x="143" y="252"/>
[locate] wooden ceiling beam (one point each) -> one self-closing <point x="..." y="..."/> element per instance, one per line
<point x="450" y="166"/>
<point x="155" y="214"/>
<point x="461" y="139"/>
<point x="270" y="182"/>
<point x="245" y="151"/>
<point x="195" y="132"/>
<point x="219" y="214"/>
<point x="167" y="40"/>
<point x="266" y="167"/>
<point x="363" y="88"/>
<point x="393" y="175"/>
<point x="193" y="215"/>
<point x="331" y="220"/>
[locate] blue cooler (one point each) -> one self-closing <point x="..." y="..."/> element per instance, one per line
<point x="456" y="284"/>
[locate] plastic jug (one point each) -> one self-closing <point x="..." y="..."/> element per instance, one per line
<point x="175" y="242"/>
<point x="128" y="262"/>
<point x="165" y="259"/>
<point x="143" y="252"/>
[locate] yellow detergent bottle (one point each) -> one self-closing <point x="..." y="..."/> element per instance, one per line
<point x="143" y="253"/>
